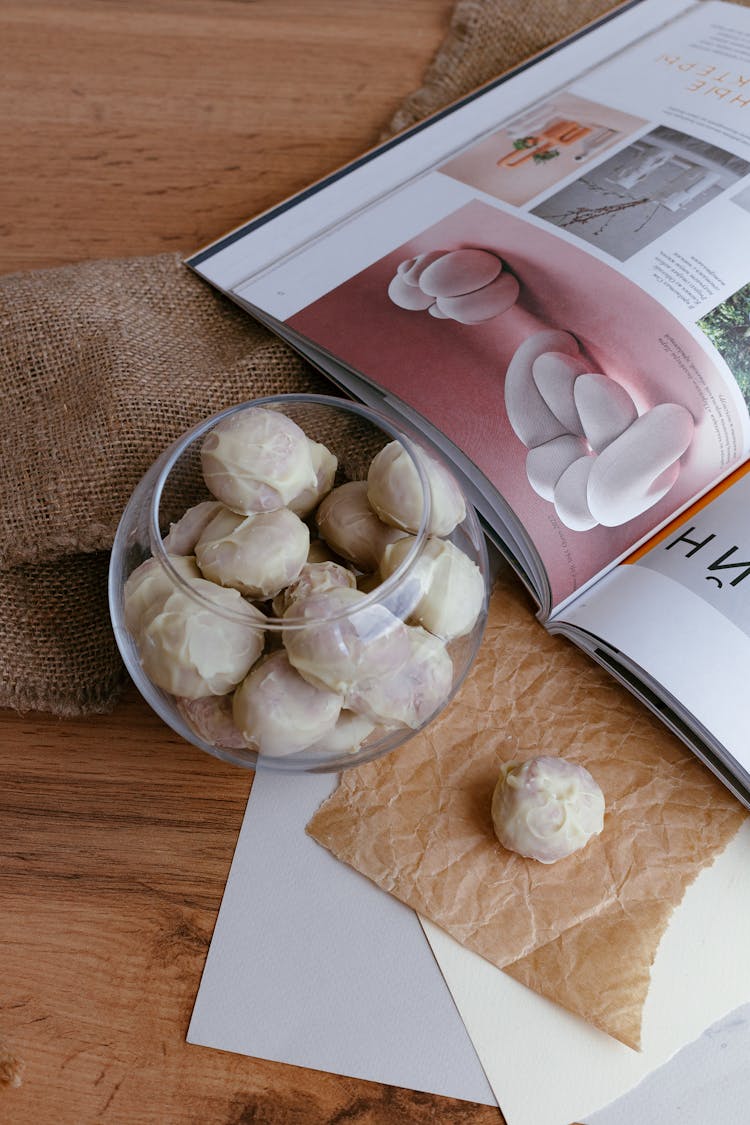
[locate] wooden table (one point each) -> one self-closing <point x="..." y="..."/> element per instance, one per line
<point x="132" y="127"/>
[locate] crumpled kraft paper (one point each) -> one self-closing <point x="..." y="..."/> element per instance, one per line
<point x="583" y="931"/>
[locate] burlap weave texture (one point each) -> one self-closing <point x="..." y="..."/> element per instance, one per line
<point x="490" y="37"/>
<point x="102" y="365"/>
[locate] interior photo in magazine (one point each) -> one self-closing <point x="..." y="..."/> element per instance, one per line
<point x="627" y="201"/>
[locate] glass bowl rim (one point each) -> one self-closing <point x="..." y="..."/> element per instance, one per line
<point x="248" y="759"/>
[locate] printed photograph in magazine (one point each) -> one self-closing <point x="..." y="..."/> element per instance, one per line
<point x="592" y="410"/>
<point x="624" y="203"/>
<point x="556" y="138"/>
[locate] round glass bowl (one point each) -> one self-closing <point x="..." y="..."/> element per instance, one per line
<point x="309" y="635"/>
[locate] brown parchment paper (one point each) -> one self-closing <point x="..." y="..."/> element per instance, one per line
<point x="583" y="931"/>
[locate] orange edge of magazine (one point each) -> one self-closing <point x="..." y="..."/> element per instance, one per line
<point x="711" y="495"/>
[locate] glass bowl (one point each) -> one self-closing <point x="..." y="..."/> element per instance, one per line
<point x="264" y="665"/>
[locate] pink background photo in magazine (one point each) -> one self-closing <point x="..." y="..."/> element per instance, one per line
<point x="453" y="373"/>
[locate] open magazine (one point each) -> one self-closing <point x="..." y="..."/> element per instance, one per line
<point x="551" y="279"/>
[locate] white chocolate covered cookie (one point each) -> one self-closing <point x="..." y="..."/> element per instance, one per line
<point x="324" y="465"/>
<point x="348" y="524"/>
<point x="444" y="591"/>
<point x="256" y="460"/>
<point x="409" y="696"/>
<point x="258" y="555"/>
<point x="314" y="578"/>
<point x="546" y="808"/>
<point x="149" y="586"/>
<point x="344" y="643"/>
<point x="212" y="720"/>
<point x="185" y="533"/>
<point x="394" y="491"/>
<point x="192" y="650"/>
<point x="281" y="713"/>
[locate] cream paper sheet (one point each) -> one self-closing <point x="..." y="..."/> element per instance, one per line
<point x="547" y="1066"/>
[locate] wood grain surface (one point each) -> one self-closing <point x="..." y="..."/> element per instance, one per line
<point x="131" y="127"/>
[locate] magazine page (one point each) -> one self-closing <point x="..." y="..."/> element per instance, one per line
<point x="677" y="615"/>
<point x="551" y="293"/>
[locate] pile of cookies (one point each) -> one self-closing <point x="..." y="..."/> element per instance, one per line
<point x="292" y="614"/>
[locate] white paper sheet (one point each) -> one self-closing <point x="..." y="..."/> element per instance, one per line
<point x="548" y="1067"/>
<point x="708" y="1081"/>
<point x="313" y="965"/>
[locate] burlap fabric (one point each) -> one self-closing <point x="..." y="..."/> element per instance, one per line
<point x="101" y="366"/>
<point x="105" y="363"/>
